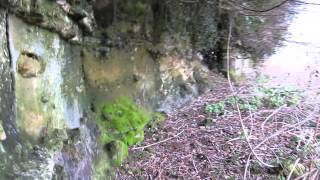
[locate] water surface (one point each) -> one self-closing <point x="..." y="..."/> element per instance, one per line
<point x="297" y="62"/>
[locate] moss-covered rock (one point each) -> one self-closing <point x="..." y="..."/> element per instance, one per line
<point x="123" y="116"/>
<point x="121" y="125"/>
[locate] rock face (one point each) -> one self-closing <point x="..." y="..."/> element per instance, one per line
<point x="7" y="95"/>
<point x="56" y="73"/>
<point x="147" y="51"/>
<point x="49" y="101"/>
<point x="160" y="84"/>
<point x="181" y="80"/>
<point x="60" y="61"/>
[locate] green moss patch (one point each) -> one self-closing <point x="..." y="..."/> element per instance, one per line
<point x="121" y="124"/>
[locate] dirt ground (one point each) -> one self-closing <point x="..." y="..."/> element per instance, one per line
<point x="278" y="143"/>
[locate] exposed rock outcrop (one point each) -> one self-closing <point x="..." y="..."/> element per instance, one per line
<point x="61" y="60"/>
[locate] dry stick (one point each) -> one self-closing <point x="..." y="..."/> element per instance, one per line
<point x="150" y="177"/>
<point x="251" y="121"/>
<point x="294" y="166"/>
<point x="247" y="166"/>
<point x="306" y="174"/>
<point x="301" y="2"/>
<point x="237" y="104"/>
<point x="314" y="137"/>
<point x="272" y="114"/>
<point x="249" y="157"/>
<point x="262" y="10"/>
<point x="194" y="165"/>
<point x="159" y="142"/>
<point x="316" y="130"/>
<point x="228" y="59"/>
<point x="315" y="176"/>
<point x="281" y="131"/>
<point x="248" y="141"/>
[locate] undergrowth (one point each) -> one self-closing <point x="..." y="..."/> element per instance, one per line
<point x="264" y="97"/>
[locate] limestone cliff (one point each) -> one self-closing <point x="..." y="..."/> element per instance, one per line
<point x="61" y="60"/>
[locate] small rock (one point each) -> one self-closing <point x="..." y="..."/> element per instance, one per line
<point x="87" y="24"/>
<point x="3" y="135"/>
<point x="79" y="89"/>
<point x="44" y="99"/>
<point x="136" y="77"/>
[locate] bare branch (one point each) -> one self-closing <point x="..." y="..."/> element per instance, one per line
<point x="261" y="10"/>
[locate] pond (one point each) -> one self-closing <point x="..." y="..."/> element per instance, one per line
<point x="297" y="62"/>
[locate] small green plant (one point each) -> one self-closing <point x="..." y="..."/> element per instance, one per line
<point x="121" y="126"/>
<point x="231" y="103"/>
<point x="157" y="121"/>
<point x="245" y="105"/>
<point x="268" y="97"/>
<point x="281" y="177"/>
<point x="262" y="79"/>
<point x="217" y="108"/>
<point x="276" y="97"/>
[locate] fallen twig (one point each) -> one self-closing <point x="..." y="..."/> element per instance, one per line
<point x="237" y="104"/>
<point x="304" y="176"/>
<point x="194" y="165"/>
<point x="272" y="114"/>
<point x="293" y="168"/>
<point x="281" y="131"/>
<point x="165" y="140"/>
<point x="247" y="167"/>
